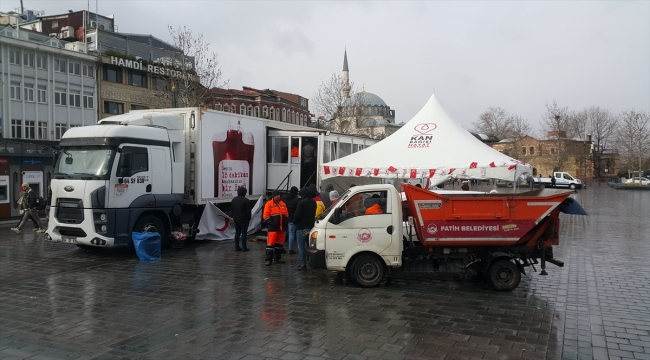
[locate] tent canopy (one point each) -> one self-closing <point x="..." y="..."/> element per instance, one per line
<point x="430" y="145"/>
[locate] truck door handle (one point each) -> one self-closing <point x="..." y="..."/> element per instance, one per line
<point x="148" y="189"/>
<point x="389" y="229"/>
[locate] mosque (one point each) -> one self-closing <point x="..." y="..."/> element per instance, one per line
<point x="363" y="113"/>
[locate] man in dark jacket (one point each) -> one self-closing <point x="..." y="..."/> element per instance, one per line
<point x="240" y="207"/>
<point x="303" y="220"/>
<point x="325" y="196"/>
<point x="291" y="201"/>
<point x="29" y="205"/>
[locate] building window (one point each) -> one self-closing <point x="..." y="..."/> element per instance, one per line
<point x="233" y="108"/>
<point x="113" y="108"/>
<point x="552" y="150"/>
<point x="88" y="71"/>
<point x="242" y="109"/>
<point x="15" y="90"/>
<point x="531" y="150"/>
<point x="42" y="94"/>
<point x="257" y="111"/>
<point x="523" y="150"/>
<point x="137" y="78"/>
<point x="250" y="110"/>
<point x="74" y="68"/>
<point x="75" y="100"/>
<point x="60" y="97"/>
<point x="30" y="131"/>
<point x="59" y="130"/>
<point x="284" y="115"/>
<point x="42" y="130"/>
<point x="55" y="24"/>
<point x="89" y="102"/>
<point x="59" y="65"/>
<point x="28" y="59"/>
<point x="159" y="83"/>
<point x="272" y="114"/>
<point x="226" y="108"/>
<point x="16" y="129"/>
<point x="139" y="107"/>
<point x="14" y="57"/>
<point x="113" y="74"/>
<point x="29" y="92"/>
<point x="41" y="62"/>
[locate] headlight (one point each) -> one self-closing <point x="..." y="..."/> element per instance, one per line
<point x="102" y="217"/>
<point x="104" y="228"/>
<point x="312" y="239"/>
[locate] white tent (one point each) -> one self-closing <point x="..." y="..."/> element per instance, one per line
<point x="430" y="145"/>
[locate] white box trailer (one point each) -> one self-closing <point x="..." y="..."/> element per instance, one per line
<point x="155" y="168"/>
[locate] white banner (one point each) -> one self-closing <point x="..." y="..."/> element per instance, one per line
<point x="216" y="225"/>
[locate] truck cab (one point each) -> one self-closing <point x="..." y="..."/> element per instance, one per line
<point x="362" y="234"/>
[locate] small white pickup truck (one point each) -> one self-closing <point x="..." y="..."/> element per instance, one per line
<point x="562" y="180"/>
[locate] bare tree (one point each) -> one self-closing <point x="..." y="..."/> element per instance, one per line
<point x="555" y="122"/>
<point x="342" y="114"/>
<point x="197" y="69"/>
<point x="633" y="138"/>
<point x="495" y="121"/>
<point x="329" y="97"/>
<point x="602" y="126"/>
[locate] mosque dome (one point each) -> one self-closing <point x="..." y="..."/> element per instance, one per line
<point x="364" y="99"/>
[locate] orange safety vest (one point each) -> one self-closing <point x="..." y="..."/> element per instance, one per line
<point x="375" y="209"/>
<point x="275" y="215"/>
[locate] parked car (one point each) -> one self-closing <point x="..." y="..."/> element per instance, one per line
<point x="635" y="180"/>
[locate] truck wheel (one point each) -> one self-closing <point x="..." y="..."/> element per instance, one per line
<point x="504" y="275"/>
<point x="367" y="270"/>
<point x="572" y="186"/>
<point x="151" y="223"/>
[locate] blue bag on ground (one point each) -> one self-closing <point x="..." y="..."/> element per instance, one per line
<point x="147" y="245"/>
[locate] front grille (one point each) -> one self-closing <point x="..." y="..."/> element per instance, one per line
<point x="69" y="231"/>
<point x="69" y="211"/>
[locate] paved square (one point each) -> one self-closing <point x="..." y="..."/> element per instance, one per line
<point x="207" y="301"/>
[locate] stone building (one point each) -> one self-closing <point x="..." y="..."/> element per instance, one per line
<point x="267" y="103"/>
<point x="363" y="113"/>
<point x="557" y="153"/>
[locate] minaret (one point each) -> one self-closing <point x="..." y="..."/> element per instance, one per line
<point x="346" y="77"/>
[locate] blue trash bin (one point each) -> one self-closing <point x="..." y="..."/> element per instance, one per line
<point x="147" y="245"/>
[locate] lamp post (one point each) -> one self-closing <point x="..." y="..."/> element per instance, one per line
<point x="174" y="98"/>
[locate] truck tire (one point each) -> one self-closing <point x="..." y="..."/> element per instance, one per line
<point x="504" y="275"/>
<point x="152" y="223"/>
<point x="572" y="186"/>
<point x="368" y="270"/>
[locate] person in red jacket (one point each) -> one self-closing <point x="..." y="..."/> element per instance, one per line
<point x="275" y="216"/>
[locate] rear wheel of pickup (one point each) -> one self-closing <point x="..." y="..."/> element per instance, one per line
<point x="504" y="275"/>
<point x="367" y="270"/>
<point x="151" y="223"/>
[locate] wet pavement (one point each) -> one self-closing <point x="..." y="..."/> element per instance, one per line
<point x="206" y="301"/>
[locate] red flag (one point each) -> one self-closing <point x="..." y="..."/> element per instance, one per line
<point x="326" y="169"/>
<point x="375" y="172"/>
<point x="392" y="169"/>
<point x="451" y="171"/>
<point x="473" y="165"/>
<point x="358" y="172"/>
<point x="414" y="173"/>
<point x="512" y="167"/>
<point x="492" y="164"/>
<point x="342" y="170"/>
<point x="432" y="172"/>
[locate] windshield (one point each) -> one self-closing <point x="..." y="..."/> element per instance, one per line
<point x="324" y="214"/>
<point x="85" y="161"/>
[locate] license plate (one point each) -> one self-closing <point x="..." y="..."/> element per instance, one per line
<point x="69" y="240"/>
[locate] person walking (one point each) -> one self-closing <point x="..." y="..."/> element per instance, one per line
<point x="275" y="216"/>
<point x="325" y="195"/>
<point x="29" y="204"/>
<point x="552" y="180"/>
<point x="304" y="221"/>
<point x="291" y="201"/>
<point x="22" y="210"/>
<point x="240" y="208"/>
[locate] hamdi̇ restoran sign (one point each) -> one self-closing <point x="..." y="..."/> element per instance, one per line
<point x="138" y="65"/>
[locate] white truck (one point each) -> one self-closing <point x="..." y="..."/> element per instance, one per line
<point x="152" y="170"/>
<point x="562" y="180"/>
<point x="497" y="235"/>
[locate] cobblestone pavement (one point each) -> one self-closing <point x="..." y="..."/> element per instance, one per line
<point x="206" y="301"/>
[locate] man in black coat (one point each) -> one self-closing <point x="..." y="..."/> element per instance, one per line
<point x="240" y="207"/>
<point x="291" y="201"/>
<point x="303" y="220"/>
<point x="325" y="196"/>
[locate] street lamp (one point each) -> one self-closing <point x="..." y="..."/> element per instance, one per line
<point x="174" y="98"/>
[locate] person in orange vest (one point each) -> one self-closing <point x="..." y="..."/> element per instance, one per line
<point x="276" y="217"/>
<point x="295" y="152"/>
<point x="375" y="208"/>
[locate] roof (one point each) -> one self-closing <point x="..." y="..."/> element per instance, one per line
<point x="364" y="99"/>
<point x="251" y="92"/>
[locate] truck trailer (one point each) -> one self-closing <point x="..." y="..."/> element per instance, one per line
<point x="152" y="170"/>
<point x="420" y="231"/>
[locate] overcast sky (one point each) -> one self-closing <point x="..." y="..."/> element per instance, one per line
<point x="516" y="55"/>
